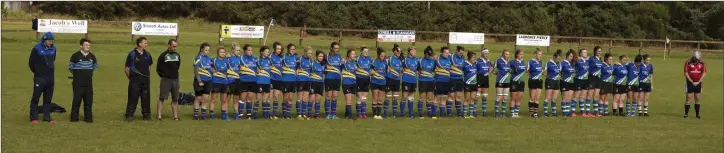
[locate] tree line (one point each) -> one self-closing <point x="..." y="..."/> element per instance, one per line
<point x="648" y="20"/>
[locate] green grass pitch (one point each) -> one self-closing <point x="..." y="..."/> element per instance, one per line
<point x="664" y="131"/>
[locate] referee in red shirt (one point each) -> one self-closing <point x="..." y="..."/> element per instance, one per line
<point x="695" y="71"/>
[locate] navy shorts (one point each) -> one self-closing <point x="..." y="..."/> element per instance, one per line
<point x="517" y="86"/>
<point x="553" y="84"/>
<point x="502" y="85"/>
<point x="218" y="88"/>
<point x="567" y="86"/>
<point x="535" y="84"/>
<point x="264" y="88"/>
<point x="409" y="87"/>
<point x="288" y="87"/>
<point x="620" y="89"/>
<point x="607" y="88"/>
<point x="644" y="87"/>
<point x="581" y="84"/>
<point x="349" y="88"/>
<point x="247" y="87"/>
<point x="457" y="85"/>
<point x="332" y="84"/>
<point x="691" y="88"/>
<point x="483" y="81"/>
<point x="277" y="85"/>
<point x="316" y="88"/>
<point x="442" y="88"/>
<point x="378" y="87"/>
<point x="202" y="90"/>
<point x="427" y="86"/>
<point x="393" y="85"/>
<point x="303" y="86"/>
<point x="363" y="85"/>
<point x="234" y="87"/>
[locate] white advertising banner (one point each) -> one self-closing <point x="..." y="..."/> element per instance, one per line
<point x="466" y="38"/>
<point x="242" y="31"/>
<point x="62" y="26"/>
<point x="396" y="35"/>
<point x="532" y="40"/>
<point x="154" y="28"/>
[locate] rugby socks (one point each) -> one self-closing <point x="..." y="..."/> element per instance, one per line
<point x="572" y="108"/>
<point x="255" y="110"/>
<point x="633" y="108"/>
<point x="466" y="110"/>
<point x="298" y="107"/>
<point x="317" y="108"/>
<point x="502" y="108"/>
<point x="474" y="111"/>
<point x="288" y="110"/>
<point x="646" y="109"/>
<point x="364" y="107"/>
<point x="458" y="108"/>
<point x="639" y="107"/>
<point x="517" y="109"/>
<point x="442" y="109"/>
<point x="419" y="108"/>
<point x="265" y="109"/>
<point x="385" y="106"/>
<point x="224" y="115"/>
<point x="196" y="113"/>
<point x="485" y="107"/>
<point x="620" y="110"/>
<point x="588" y="106"/>
<point x="327" y="106"/>
<point x="348" y="111"/>
<point x="530" y="108"/>
<point x="497" y="103"/>
<point x="304" y="109"/>
<point x="309" y="108"/>
<point x="334" y="108"/>
<point x="429" y="107"/>
<point x="449" y="108"/>
<point x="564" y="108"/>
<point x="211" y="114"/>
<point x="545" y="108"/>
<point x="595" y="107"/>
<point x="239" y="110"/>
<point x="248" y="108"/>
<point x="434" y="110"/>
<point x="686" y="109"/>
<point x="410" y="106"/>
<point x="628" y="108"/>
<point x="604" y="109"/>
<point x="394" y="108"/>
<point x="403" y="104"/>
<point x="696" y="108"/>
<point x="358" y="108"/>
<point x="554" y="112"/>
<point x="275" y="106"/>
<point x="512" y="109"/>
<point x="375" y="109"/>
<point x="203" y="114"/>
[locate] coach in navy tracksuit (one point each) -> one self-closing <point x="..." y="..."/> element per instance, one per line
<point x="138" y="65"/>
<point x="42" y="64"/>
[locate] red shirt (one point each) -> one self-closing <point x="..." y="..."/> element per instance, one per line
<point x="694" y="69"/>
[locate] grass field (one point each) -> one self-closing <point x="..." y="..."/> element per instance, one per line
<point x="664" y="131"/>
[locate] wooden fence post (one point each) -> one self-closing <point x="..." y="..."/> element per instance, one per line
<point x="610" y="46"/>
<point x="340" y="38"/>
<point x="641" y="46"/>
